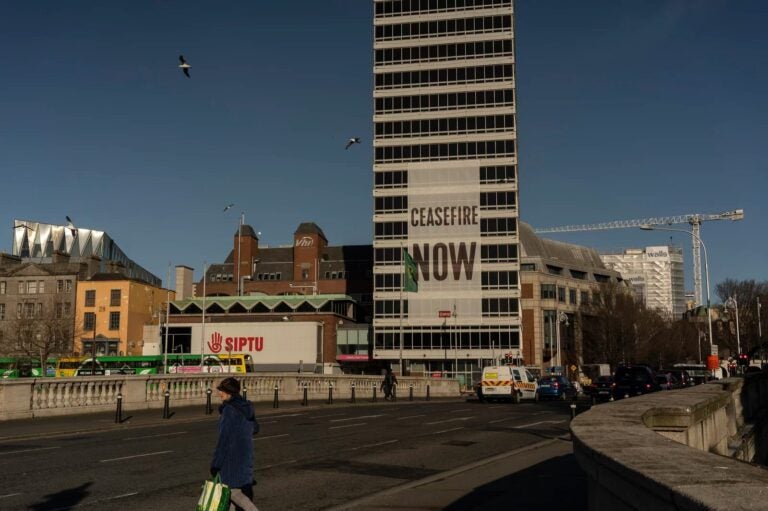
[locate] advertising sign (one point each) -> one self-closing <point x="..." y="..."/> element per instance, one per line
<point x="657" y="253"/>
<point x="444" y="241"/>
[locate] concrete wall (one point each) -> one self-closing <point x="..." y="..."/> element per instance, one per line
<point x="45" y="397"/>
<point x="677" y="450"/>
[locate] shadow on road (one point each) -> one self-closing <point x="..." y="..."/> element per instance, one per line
<point x="558" y="483"/>
<point x="63" y="500"/>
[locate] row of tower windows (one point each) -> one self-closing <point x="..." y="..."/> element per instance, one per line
<point x="425" y="29"/>
<point x="452" y="101"/>
<point x="454" y="151"/>
<point x="450" y="76"/>
<point x="488" y="175"/>
<point x="440" y="52"/>
<point x="504" y="226"/>
<point x="403" y="7"/>
<point x="445" y="126"/>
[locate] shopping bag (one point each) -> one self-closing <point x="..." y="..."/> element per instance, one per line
<point x="215" y="496"/>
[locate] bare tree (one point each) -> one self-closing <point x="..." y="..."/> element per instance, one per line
<point x="746" y="293"/>
<point x="41" y="330"/>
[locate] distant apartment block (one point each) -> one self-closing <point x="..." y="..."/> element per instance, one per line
<point x="656" y="275"/>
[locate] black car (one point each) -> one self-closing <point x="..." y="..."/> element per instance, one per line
<point x="634" y="380"/>
<point x="602" y="388"/>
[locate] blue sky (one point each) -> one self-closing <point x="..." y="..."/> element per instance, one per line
<point x="625" y="110"/>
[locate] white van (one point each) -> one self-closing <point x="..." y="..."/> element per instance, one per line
<point x="508" y="382"/>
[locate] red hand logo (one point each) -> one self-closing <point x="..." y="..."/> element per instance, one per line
<point x="214" y="345"/>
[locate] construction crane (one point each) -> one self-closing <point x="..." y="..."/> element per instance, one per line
<point x="694" y="220"/>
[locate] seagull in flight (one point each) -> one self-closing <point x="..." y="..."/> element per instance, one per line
<point x="229" y="207"/>
<point x="184" y="66"/>
<point x="351" y="141"/>
<point x="71" y="227"/>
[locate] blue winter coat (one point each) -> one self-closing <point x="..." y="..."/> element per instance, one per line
<point x="234" y="451"/>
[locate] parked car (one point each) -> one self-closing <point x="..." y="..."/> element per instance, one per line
<point x="684" y="377"/>
<point x="667" y="381"/>
<point x="602" y="388"/>
<point x="634" y="380"/>
<point x="556" y="387"/>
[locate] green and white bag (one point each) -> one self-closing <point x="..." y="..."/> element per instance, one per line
<point x="215" y="496"/>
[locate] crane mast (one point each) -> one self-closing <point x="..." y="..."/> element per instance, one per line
<point x="694" y="220"/>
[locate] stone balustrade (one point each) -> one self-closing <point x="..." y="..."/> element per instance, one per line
<point x="678" y="450"/>
<point x="44" y="397"/>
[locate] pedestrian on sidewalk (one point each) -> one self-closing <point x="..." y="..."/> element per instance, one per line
<point x="388" y="385"/>
<point x="233" y="457"/>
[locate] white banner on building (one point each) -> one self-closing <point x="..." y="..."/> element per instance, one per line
<point x="267" y="343"/>
<point x="657" y="253"/>
<point x="444" y="241"/>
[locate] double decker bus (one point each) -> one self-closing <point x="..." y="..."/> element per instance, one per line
<point x="154" y="364"/>
<point x="67" y="366"/>
<point x="108" y="366"/>
<point x="26" y="367"/>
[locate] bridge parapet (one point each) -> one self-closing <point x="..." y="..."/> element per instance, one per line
<point x="678" y="450"/>
<point x="42" y="397"/>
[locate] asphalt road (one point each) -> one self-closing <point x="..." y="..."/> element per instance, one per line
<point x="306" y="459"/>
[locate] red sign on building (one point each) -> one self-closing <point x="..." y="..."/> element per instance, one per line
<point x="443" y="314"/>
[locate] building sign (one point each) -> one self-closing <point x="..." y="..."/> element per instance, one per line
<point x="657" y="253"/>
<point x="444" y="314"/>
<point x="305" y="241"/>
<point x="267" y="343"/>
<point x="444" y="241"/>
<point x="241" y="343"/>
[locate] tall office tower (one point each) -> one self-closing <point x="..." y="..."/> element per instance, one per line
<point x="656" y="275"/>
<point x="445" y="184"/>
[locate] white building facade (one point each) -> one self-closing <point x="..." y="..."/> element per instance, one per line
<point x="656" y="275"/>
<point x="445" y="184"/>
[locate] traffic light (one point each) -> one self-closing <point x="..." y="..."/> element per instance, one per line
<point x="743" y="359"/>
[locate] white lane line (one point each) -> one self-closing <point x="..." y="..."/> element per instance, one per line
<point x="135" y="456"/>
<point x="265" y="467"/>
<point x="462" y="410"/>
<point x="155" y="436"/>
<point x="372" y="445"/>
<point x="348" y="426"/>
<point x="537" y="423"/>
<point x="326" y="416"/>
<point x="9" y="495"/>
<point x="123" y="496"/>
<point x="293" y="415"/>
<point x="497" y="406"/>
<point x="29" y="450"/>
<point x="503" y="420"/>
<point x="450" y="420"/>
<point x="268" y="422"/>
<point x="358" y="418"/>
<point x="271" y="436"/>
<point x="410" y="417"/>
<point x="447" y="430"/>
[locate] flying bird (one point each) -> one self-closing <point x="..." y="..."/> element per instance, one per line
<point x="229" y="207"/>
<point x="354" y="140"/>
<point x="184" y="66"/>
<point x="71" y="227"/>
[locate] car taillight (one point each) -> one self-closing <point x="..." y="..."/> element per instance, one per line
<point x="556" y="385"/>
<point x="647" y="385"/>
<point x="613" y="384"/>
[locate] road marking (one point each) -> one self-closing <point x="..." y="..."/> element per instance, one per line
<point x="271" y="436"/>
<point x="450" y="420"/>
<point x="372" y="445"/>
<point x="497" y="406"/>
<point x="348" y="426"/>
<point x="268" y="422"/>
<point x="155" y="436"/>
<point x="410" y="417"/>
<point x="503" y="420"/>
<point x="448" y="430"/>
<point x="293" y="415"/>
<point x="326" y="416"/>
<point x="122" y="496"/>
<point x="30" y="450"/>
<point x="9" y="495"/>
<point x="537" y="423"/>
<point x="135" y="456"/>
<point x="462" y="410"/>
<point x="265" y="467"/>
<point x="358" y="418"/>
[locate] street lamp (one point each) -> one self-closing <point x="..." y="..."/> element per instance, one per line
<point x="733" y="304"/>
<point x="651" y="227"/>
<point x="562" y="317"/>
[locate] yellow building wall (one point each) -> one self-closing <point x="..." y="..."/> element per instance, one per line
<point x="140" y="304"/>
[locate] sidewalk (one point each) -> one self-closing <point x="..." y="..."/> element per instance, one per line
<point x="544" y="475"/>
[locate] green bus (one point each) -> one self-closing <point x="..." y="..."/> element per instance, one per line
<point x="107" y="366"/>
<point x="26" y="367"/>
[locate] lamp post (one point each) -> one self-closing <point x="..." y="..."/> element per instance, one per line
<point x="562" y="317"/>
<point x="731" y="302"/>
<point x="650" y="227"/>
